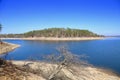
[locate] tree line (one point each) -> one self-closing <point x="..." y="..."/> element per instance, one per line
<point x="54" y="32"/>
<point x="60" y="32"/>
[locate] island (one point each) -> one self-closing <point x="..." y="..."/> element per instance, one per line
<point x="55" y="34"/>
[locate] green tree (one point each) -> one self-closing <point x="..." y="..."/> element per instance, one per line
<point x="55" y="32"/>
<point x="0" y="31"/>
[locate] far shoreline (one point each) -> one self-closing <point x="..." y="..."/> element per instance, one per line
<point x="57" y="39"/>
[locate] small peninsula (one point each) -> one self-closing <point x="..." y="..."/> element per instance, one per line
<point x="7" y="47"/>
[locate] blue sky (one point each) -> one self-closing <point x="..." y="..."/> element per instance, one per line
<point x="99" y="16"/>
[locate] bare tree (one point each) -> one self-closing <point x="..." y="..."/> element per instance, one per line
<point x="64" y="59"/>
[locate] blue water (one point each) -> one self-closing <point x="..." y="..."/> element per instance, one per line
<point x="103" y="53"/>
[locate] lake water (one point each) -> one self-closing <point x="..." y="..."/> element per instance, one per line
<point x="103" y="53"/>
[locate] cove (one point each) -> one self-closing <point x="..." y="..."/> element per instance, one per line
<point x="102" y="53"/>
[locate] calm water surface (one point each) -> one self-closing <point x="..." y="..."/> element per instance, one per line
<point x="103" y="53"/>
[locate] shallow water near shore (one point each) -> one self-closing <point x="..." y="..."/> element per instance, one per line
<point x="102" y="53"/>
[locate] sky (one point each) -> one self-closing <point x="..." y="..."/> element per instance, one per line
<point x="99" y="16"/>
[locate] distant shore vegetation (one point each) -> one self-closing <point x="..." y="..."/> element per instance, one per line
<point x="54" y="32"/>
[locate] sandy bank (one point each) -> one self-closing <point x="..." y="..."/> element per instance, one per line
<point x="58" y="39"/>
<point x="77" y="73"/>
<point x="7" y="47"/>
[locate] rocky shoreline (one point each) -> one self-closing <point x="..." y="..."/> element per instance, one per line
<point x="76" y="73"/>
<point x="57" y="39"/>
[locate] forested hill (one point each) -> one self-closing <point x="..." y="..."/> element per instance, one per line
<point x="60" y="32"/>
<point x="53" y="32"/>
